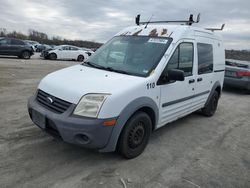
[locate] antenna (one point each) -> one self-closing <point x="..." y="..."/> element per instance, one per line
<point x="190" y="21"/>
<point x="148" y="21"/>
<point x="216" y="29"/>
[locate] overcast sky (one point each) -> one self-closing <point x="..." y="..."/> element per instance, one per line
<point x="99" y="20"/>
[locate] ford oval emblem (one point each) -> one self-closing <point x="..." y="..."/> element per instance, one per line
<point x="49" y="100"/>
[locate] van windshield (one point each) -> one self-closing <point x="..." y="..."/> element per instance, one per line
<point x="134" y="55"/>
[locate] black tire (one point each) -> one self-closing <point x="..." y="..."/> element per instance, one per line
<point x="80" y="58"/>
<point x="247" y="91"/>
<point x="211" y="106"/>
<point x="25" y="55"/>
<point x="52" y="56"/>
<point x="135" y="135"/>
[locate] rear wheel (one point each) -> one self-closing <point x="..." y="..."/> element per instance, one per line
<point x="53" y="56"/>
<point x="211" y="106"/>
<point x="25" y="55"/>
<point x="80" y="58"/>
<point x="135" y="135"/>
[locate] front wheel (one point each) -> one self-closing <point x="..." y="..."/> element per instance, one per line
<point x="211" y="106"/>
<point x="80" y="58"/>
<point x="53" y="56"/>
<point x="135" y="135"/>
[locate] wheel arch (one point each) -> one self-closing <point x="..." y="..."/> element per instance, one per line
<point x="81" y="55"/>
<point x="20" y="54"/>
<point x="216" y="87"/>
<point x="144" y="104"/>
<point x="25" y="50"/>
<point x="53" y="53"/>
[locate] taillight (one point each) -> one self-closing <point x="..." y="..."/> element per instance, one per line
<point x="242" y="74"/>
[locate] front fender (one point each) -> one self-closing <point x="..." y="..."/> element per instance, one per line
<point x="126" y="113"/>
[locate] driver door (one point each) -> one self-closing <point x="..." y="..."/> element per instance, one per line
<point x="5" y="47"/>
<point x="177" y="96"/>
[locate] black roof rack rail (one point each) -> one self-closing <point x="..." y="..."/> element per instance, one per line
<point x="190" y="21"/>
<point x="216" y="29"/>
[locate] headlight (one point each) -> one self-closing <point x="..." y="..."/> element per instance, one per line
<point x="90" y="105"/>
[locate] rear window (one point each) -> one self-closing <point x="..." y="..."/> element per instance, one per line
<point x="205" y="58"/>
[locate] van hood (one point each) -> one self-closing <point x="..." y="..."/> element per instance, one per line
<point x="71" y="83"/>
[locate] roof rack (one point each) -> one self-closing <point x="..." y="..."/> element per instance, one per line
<point x="190" y="21"/>
<point x="216" y="29"/>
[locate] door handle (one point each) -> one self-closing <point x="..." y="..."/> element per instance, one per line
<point x="191" y="81"/>
<point x="199" y="79"/>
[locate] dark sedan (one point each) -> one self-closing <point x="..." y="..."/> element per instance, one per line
<point x="237" y="74"/>
<point x="15" y="47"/>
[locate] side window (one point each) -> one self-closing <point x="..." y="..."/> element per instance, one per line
<point x="16" y="42"/>
<point x="173" y="62"/>
<point x="4" y="42"/>
<point x="182" y="58"/>
<point x="65" y="48"/>
<point x="186" y="58"/>
<point x="73" y="48"/>
<point x="205" y="58"/>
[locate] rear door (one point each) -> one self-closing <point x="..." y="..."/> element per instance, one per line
<point x="204" y="70"/>
<point x="177" y="97"/>
<point x="64" y="53"/>
<point x="16" y="46"/>
<point x="74" y="52"/>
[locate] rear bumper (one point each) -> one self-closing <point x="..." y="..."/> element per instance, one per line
<point x="235" y="82"/>
<point x="86" y="132"/>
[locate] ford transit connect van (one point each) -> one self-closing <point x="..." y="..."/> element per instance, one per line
<point x="143" y="78"/>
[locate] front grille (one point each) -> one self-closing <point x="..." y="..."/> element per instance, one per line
<point x="56" y="105"/>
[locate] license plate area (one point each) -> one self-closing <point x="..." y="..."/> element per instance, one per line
<point x="230" y="73"/>
<point x="39" y="119"/>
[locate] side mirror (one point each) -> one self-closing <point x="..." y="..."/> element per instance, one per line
<point x="176" y="75"/>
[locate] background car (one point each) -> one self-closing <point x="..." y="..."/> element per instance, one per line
<point x="42" y="47"/>
<point x="15" y="47"/>
<point x="88" y="51"/>
<point x="66" y="52"/>
<point x="34" y="44"/>
<point x="237" y="74"/>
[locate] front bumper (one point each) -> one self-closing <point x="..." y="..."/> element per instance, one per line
<point x="87" y="132"/>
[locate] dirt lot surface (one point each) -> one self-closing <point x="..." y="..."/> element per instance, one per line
<point x="195" y="151"/>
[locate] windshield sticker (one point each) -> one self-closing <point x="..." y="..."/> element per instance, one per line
<point x="158" y="40"/>
<point x="145" y="71"/>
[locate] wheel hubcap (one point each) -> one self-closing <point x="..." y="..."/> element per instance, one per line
<point x="136" y="135"/>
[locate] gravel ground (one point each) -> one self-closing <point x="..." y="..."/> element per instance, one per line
<point x="194" y="151"/>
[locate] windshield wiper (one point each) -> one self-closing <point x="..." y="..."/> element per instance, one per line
<point x="118" y="71"/>
<point x="105" y="68"/>
<point x="94" y="65"/>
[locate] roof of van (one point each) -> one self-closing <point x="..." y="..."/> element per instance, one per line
<point x="174" y="31"/>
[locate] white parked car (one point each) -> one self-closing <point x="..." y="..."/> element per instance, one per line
<point x="88" y="51"/>
<point x="142" y="79"/>
<point x="66" y="52"/>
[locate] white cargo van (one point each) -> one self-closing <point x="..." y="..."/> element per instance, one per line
<point x="143" y="78"/>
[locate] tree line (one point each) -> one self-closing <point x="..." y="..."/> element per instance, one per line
<point x="43" y="38"/>
<point x="243" y="55"/>
<point x="56" y="40"/>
